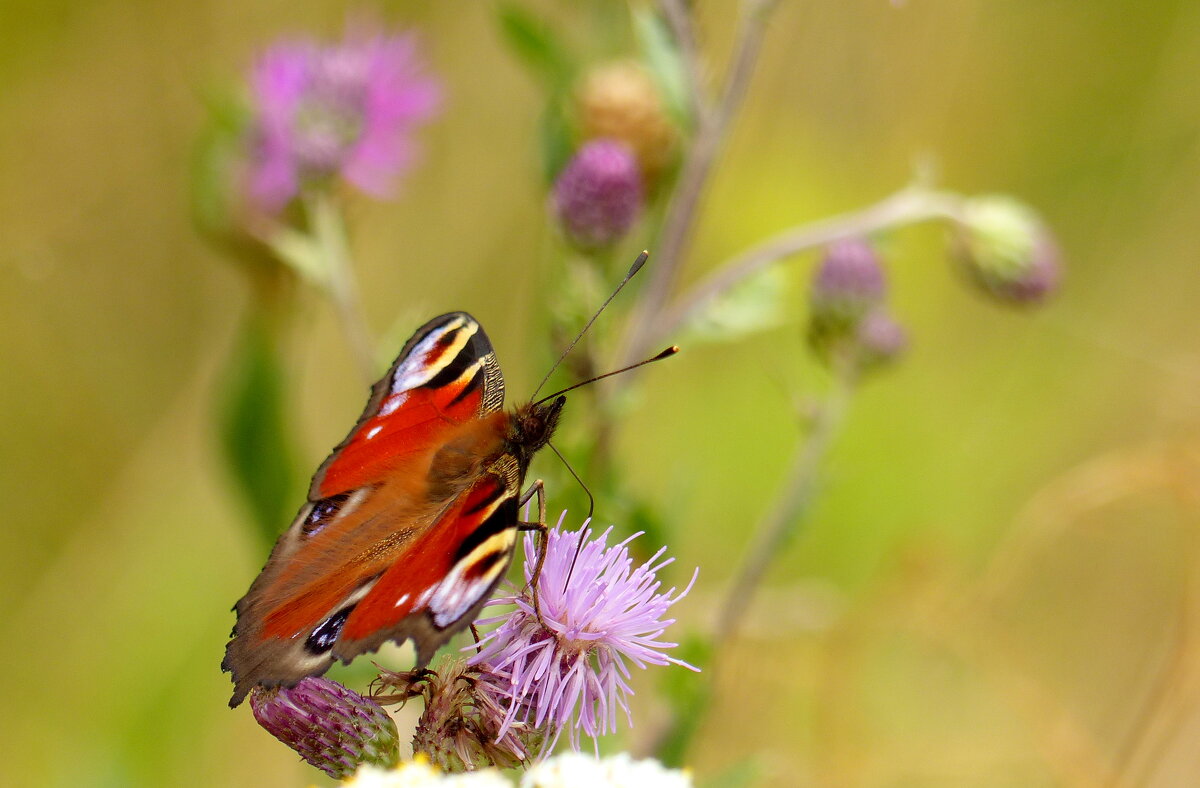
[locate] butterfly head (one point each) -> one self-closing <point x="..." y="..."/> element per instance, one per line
<point x="532" y="426"/>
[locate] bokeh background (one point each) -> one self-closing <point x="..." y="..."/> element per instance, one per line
<point x="999" y="585"/>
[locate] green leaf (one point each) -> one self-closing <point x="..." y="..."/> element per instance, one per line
<point x="255" y="442"/>
<point x="758" y="303"/>
<point x="536" y="45"/>
<point x="214" y="162"/>
<point x="556" y="137"/>
<point x="665" y="62"/>
<point x="302" y="253"/>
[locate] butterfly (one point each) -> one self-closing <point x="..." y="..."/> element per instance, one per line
<point x="409" y="524"/>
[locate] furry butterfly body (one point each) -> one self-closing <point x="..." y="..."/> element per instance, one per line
<point x="409" y="524"/>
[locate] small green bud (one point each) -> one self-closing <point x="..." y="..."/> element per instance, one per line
<point x="1005" y="248"/>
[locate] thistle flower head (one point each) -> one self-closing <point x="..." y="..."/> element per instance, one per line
<point x="848" y="285"/>
<point x="619" y="100"/>
<point x="598" y="195"/>
<point x="1007" y="250"/>
<point x="570" y="669"/>
<point x="462" y="727"/>
<point x="849" y="280"/>
<point x="333" y="728"/>
<point x="880" y="339"/>
<point x="346" y="109"/>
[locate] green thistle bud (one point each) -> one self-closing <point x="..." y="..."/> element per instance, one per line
<point x="1005" y="248"/>
<point x="848" y="285"/>
<point x="333" y="728"/>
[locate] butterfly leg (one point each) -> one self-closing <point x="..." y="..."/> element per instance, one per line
<point x="538" y="488"/>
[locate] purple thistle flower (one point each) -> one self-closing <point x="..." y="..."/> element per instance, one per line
<point x="880" y="339"/>
<point x="598" y="195"/>
<point x="849" y="280"/>
<point x="346" y="109"/>
<point x="847" y="286"/>
<point x="571" y="668"/>
<point x="333" y="728"/>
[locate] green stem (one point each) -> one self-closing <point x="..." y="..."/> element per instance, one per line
<point x="910" y="205"/>
<point x="329" y="233"/>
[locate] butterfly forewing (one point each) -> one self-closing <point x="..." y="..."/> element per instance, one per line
<point x="409" y="523"/>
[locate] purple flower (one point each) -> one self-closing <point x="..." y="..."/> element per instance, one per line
<point x="571" y="668"/>
<point x="345" y="109"/>
<point x="880" y="339"/>
<point x="333" y="728"/>
<point x="848" y="285"/>
<point x="849" y="279"/>
<point x="598" y="195"/>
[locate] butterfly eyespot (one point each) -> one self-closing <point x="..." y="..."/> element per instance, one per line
<point x="325" y="635"/>
<point x="322" y="513"/>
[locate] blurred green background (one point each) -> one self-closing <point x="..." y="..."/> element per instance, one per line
<point x="999" y="587"/>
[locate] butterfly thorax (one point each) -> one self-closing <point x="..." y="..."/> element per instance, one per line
<point x="530" y="428"/>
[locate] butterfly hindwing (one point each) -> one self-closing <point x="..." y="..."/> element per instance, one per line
<point x="408" y="526"/>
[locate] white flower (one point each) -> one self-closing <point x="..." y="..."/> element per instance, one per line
<point x="419" y="774"/>
<point x="575" y="770"/>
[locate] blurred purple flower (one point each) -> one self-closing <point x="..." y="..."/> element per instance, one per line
<point x="880" y="339"/>
<point x="571" y="668"/>
<point x="598" y="195"/>
<point x="333" y="728"/>
<point x="344" y="109"/>
<point x="849" y="279"/>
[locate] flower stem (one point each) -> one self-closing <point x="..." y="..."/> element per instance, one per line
<point x="679" y="18"/>
<point x="697" y="166"/>
<point x="910" y="205"/>
<point x="329" y="233"/>
<point x="782" y="523"/>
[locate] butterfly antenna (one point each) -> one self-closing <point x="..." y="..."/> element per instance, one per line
<point x="591" y="510"/>
<point x="633" y="269"/>
<point x="667" y="353"/>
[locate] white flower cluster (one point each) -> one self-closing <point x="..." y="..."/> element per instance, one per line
<point x="419" y="774"/>
<point x="576" y="770"/>
<point x="569" y="770"/>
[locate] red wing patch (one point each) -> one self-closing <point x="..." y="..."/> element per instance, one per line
<point x="446" y="375"/>
<point x="447" y="569"/>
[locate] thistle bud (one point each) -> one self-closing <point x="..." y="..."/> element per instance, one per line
<point x="598" y="195"/>
<point x="333" y="728"/>
<point x="880" y="340"/>
<point x="849" y="283"/>
<point x="1006" y="249"/>
<point x="620" y="101"/>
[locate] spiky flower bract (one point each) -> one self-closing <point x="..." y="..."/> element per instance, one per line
<point x="346" y="109"/>
<point x="333" y="728"/>
<point x="462" y="727"/>
<point x="570" y="668"/>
